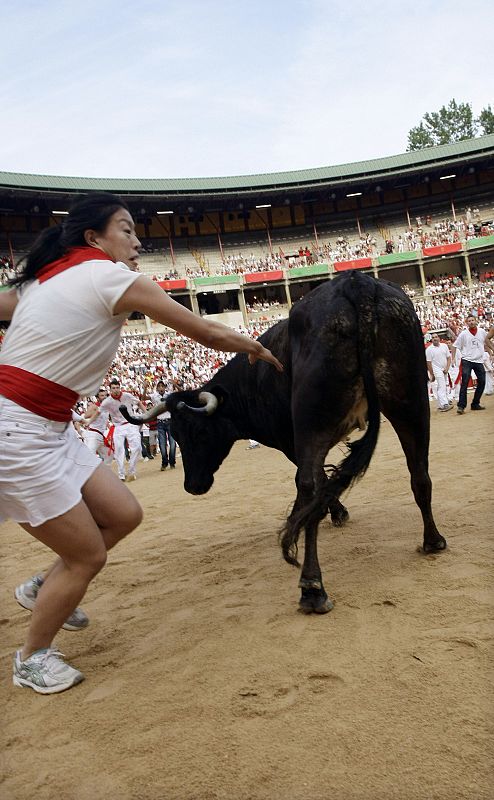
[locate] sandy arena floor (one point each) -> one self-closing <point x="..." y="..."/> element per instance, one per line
<point x="203" y="681"/>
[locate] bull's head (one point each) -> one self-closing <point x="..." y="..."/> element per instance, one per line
<point x="204" y="433"/>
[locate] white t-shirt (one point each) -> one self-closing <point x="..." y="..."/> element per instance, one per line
<point x="156" y="398"/>
<point x="438" y="356"/>
<point x="100" y="423"/>
<point x="112" y="405"/>
<point x="64" y="329"/>
<point x="471" y="347"/>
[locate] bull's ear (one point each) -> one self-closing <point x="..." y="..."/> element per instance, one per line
<point x="220" y="392"/>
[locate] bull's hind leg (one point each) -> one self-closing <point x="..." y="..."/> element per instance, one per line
<point x="413" y="434"/>
<point x="339" y="514"/>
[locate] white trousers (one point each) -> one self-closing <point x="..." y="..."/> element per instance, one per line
<point x="439" y="389"/>
<point x="454" y="391"/>
<point x="489" y="384"/>
<point x="94" y="441"/>
<point x="133" y="436"/>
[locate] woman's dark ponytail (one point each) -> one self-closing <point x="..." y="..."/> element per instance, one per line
<point x="47" y="247"/>
<point x="90" y="212"/>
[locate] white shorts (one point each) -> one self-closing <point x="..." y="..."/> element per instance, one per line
<point x="43" y="466"/>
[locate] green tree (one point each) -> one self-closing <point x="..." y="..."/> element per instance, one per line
<point x="452" y="123"/>
<point x="486" y="120"/>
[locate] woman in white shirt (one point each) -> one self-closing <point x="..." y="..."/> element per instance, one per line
<point x="77" y="287"/>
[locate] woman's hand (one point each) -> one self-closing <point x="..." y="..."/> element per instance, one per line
<point x="265" y="355"/>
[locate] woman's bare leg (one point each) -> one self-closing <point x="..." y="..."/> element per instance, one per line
<point x="81" y="538"/>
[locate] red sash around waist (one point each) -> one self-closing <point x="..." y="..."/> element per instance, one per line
<point x="37" y="394"/>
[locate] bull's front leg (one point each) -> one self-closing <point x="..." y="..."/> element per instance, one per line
<point x="313" y="597"/>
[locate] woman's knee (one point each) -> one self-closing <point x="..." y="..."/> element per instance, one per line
<point x="129" y="516"/>
<point x="91" y="562"/>
<point x="134" y="514"/>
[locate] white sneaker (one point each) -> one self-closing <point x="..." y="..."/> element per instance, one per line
<point x="45" y="671"/>
<point x="26" y="595"/>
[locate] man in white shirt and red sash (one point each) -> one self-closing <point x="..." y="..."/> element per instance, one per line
<point x="123" y="430"/>
<point x="96" y="424"/>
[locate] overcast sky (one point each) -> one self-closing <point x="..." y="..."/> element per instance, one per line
<point x="113" y="88"/>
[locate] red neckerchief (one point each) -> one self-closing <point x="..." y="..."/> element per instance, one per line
<point x="73" y="257"/>
<point x="473" y="331"/>
<point x="116" y="398"/>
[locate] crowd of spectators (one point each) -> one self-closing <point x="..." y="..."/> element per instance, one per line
<point x="322" y="252"/>
<point x="238" y="264"/>
<point x="447" y="308"/>
<point x="265" y="307"/>
<point x="424" y="234"/>
<point x="170" y="275"/>
<point x="445" y="231"/>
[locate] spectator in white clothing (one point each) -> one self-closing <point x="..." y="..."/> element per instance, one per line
<point x="438" y="363"/>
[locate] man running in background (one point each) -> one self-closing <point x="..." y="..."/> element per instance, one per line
<point x="122" y="428"/>
<point x="96" y="422"/>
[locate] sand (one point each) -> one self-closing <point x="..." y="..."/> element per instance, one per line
<point x="204" y="682"/>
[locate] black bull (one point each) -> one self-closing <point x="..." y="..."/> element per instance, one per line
<point x="351" y="348"/>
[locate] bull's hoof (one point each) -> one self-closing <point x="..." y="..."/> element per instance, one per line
<point x="338" y="519"/>
<point x="326" y="606"/>
<point x="436" y="545"/>
<point x="314" y="601"/>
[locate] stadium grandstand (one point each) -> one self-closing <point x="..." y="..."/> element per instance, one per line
<point x="244" y="247"/>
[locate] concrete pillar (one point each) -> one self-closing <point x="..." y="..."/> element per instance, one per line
<point x="194" y="303"/>
<point x="467" y="268"/>
<point x="242" y="306"/>
<point x="422" y="274"/>
<point x="288" y="295"/>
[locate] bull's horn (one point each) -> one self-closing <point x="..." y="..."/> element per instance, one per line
<point x="209" y="404"/>
<point x="154" y="412"/>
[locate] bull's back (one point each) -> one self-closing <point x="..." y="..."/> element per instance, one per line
<point x="351" y="323"/>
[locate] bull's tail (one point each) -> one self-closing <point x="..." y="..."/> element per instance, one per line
<point x="361" y="293"/>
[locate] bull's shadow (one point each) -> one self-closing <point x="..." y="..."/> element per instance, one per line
<point x="351" y="348"/>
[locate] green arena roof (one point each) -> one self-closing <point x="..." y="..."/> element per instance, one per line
<point x="431" y="157"/>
